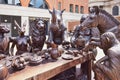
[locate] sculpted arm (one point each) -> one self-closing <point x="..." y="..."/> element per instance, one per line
<point x="13" y="40"/>
<point x="12" y="49"/>
<point x="106" y="69"/>
<point x="64" y="35"/>
<point x="50" y="37"/>
<point x="30" y="44"/>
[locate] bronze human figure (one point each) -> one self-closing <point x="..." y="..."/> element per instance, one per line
<point x="21" y="41"/>
<point x="78" y="35"/>
<point x="81" y="39"/>
<point x="38" y="35"/>
<point x="57" y="30"/>
<point x="108" y="67"/>
<point x="102" y="20"/>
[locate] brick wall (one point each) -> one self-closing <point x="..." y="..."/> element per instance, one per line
<point x="65" y="4"/>
<point x="71" y="25"/>
<point x="117" y="17"/>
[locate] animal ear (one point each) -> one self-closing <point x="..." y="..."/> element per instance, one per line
<point x="18" y="26"/>
<point x="25" y="23"/>
<point x="96" y="8"/>
<point x="62" y="10"/>
<point x="108" y="40"/>
<point x="53" y="10"/>
<point x="50" y="11"/>
<point x="89" y="9"/>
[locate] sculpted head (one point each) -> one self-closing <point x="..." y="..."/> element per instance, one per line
<point x="108" y="39"/>
<point x="39" y="23"/>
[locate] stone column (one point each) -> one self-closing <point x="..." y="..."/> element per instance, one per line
<point x="23" y="19"/>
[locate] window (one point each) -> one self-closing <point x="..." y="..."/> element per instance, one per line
<point x="101" y="7"/>
<point x="14" y="2"/>
<point x="3" y="1"/>
<point x="59" y="5"/>
<point x="82" y="9"/>
<point x="115" y="10"/>
<point x="32" y="3"/>
<point x="76" y="9"/>
<point x="71" y="7"/>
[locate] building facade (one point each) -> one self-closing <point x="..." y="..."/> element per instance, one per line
<point x="28" y="10"/>
<point x="111" y="6"/>
<point x="73" y="6"/>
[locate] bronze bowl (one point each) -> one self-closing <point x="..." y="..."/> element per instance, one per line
<point x="18" y="63"/>
<point x="3" y="72"/>
<point x="35" y="60"/>
<point x="54" y="53"/>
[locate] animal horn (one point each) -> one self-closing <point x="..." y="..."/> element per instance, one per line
<point x="96" y="9"/>
<point x="89" y="9"/>
<point x="108" y="40"/>
<point x="50" y="11"/>
<point x="18" y="26"/>
<point x="63" y="10"/>
<point x="53" y="10"/>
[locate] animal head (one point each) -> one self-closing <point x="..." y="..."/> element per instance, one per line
<point x="4" y="29"/>
<point x="92" y="19"/>
<point x="21" y="30"/>
<point x="39" y="23"/>
<point x="56" y="15"/>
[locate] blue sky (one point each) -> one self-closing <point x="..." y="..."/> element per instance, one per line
<point x="38" y="2"/>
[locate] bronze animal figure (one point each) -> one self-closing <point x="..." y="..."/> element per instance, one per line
<point x="57" y="30"/>
<point x="4" y="41"/>
<point x="102" y="20"/>
<point x="3" y="72"/>
<point x="38" y="35"/>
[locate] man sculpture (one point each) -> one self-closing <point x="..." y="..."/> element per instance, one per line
<point x="108" y="67"/>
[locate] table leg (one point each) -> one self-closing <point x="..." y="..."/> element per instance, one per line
<point x="89" y="69"/>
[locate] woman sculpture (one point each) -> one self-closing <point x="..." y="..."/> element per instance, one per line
<point x="21" y="41"/>
<point x="108" y="67"/>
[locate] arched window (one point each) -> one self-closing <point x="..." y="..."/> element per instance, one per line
<point x="115" y="10"/>
<point x="82" y="9"/>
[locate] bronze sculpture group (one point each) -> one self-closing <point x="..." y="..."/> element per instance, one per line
<point x="99" y="28"/>
<point x="107" y="68"/>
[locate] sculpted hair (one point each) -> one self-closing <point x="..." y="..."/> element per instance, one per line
<point x="110" y="36"/>
<point x="110" y="16"/>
